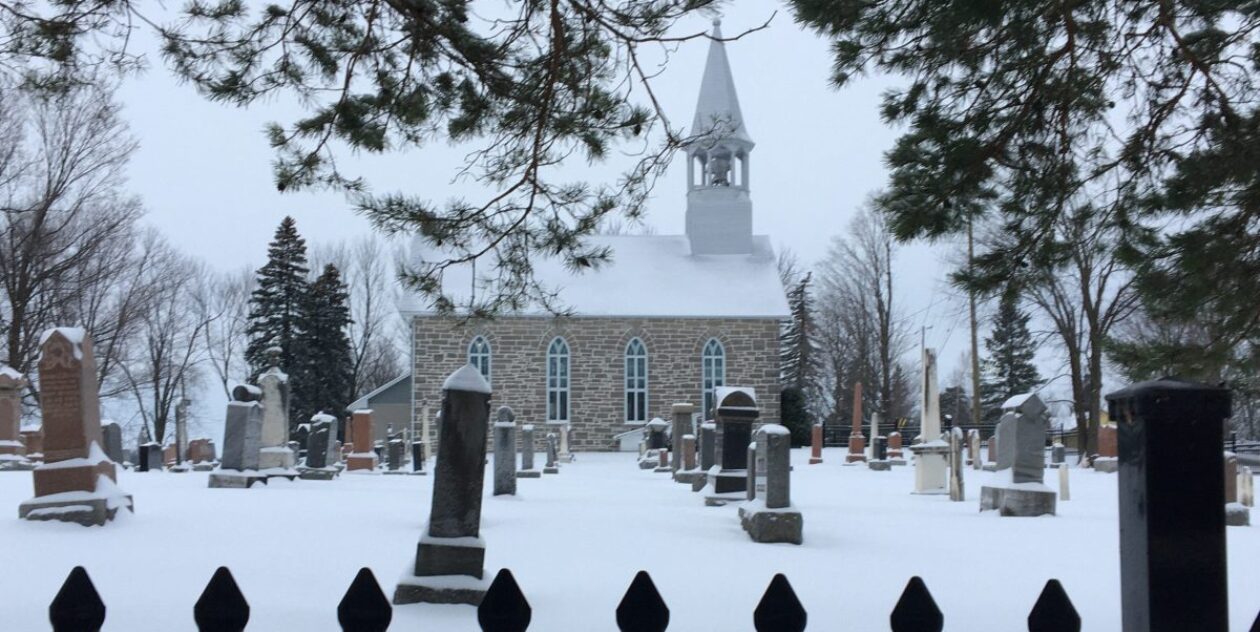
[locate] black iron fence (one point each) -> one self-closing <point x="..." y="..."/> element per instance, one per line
<point x="364" y="607"/>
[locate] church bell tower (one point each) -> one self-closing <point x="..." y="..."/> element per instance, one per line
<point x="719" y="209"/>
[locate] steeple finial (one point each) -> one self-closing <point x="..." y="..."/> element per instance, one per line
<point x="718" y="105"/>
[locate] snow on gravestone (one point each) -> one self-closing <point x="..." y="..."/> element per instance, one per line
<point x="450" y="558"/>
<point x="505" y="452"/>
<point x="11" y="385"/>
<point x="76" y="483"/>
<point x="275" y="452"/>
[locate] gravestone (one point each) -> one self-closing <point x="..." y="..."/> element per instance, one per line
<point x="527" y="454"/>
<point x="12" y="451"/>
<point x="181" y="429"/>
<point x="77" y="481"/>
<point x="815" y="443"/>
<point x="736" y="411"/>
<point x="895" y="454"/>
<point x="957" y="493"/>
<point x="33" y="442"/>
<point x="242" y="435"/>
<point x="450" y="558"/>
<point x="655" y="438"/>
<point x="875" y="420"/>
<point x="1065" y="492"/>
<point x="689" y="472"/>
<point x="1231" y="477"/>
<point x="879" y="455"/>
<point x="1020" y="490"/>
<point x="857" y="443"/>
<point x="682" y="426"/>
<point x="1005" y="435"/>
<point x="973" y="449"/>
<point x="274" y="382"/>
<point x="1106" y="460"/>
<point x="112" y="434"/>
<point x="750" y="492"/>
<point x="930" y="463"/>
<point x="708" y="452"/>
<point x="770" y="516"/>
<point x="1058" y="453"/>
<point x="364" y="457"/>
<point x="396" y="453"/>
<point x="505" y="452"/>
<point x="320" y="454"/>
<point x="551" y="467"/>
<point x="417" y="458"/>
<point x="565" y="455"/>
<point x="1173" y="550"/>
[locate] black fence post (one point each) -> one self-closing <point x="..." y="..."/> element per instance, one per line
<point x="916" y="611"/>
<point x="1172" y="506"/>
<point x="221" y="607"/>
<point x="77" y="606"/>
<point x="779" y="609"/>
<point x="504" y="608"/>
<point x="1053" y="611"/>
<point x="642" y="609"/>
<point x="364" y="608"/>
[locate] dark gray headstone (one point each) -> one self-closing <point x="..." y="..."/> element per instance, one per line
<point x="417" y="456"/>
<point x="1005" y="434"/>
<point x="1030" y="441"/>
<point x="242" y="434"/>
<point x="656" y="433"/>
<point x="708" y="432"/>
<point x="505" y="454"/>
<point x="682" y="426"/>
<point x="551" y="449"/>
<point x="736" y="413"/>
<point x="957" y="492"/>
<point x="397" y="452"/>
<point x="527" y="447"/>
<point x="317" y="445"/>
<point x="752" y="472"/>
<point x="777" y="442"/>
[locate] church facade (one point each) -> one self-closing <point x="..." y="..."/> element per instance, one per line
<point x="669" y="319"/>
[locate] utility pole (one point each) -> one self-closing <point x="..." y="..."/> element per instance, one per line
<point x="975" y="335"/>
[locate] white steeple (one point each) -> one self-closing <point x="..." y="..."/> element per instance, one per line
<point x="719" y="210"/>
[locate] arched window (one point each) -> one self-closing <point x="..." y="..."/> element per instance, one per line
<point x="636" y="381"/>
<point x="558" y="380"/>
<point x="713" y="367"/>
<point x="479" y="356"/>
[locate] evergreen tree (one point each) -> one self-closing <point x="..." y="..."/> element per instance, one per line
<point x="276" y="309"/>
<point x="794" y="415"/>
<point x="327" y="374"/>
<point x="798" y="360"/>
<point x="1009" y="369"/>
<point x="956" y="404"/>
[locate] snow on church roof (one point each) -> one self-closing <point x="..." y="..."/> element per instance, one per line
<point x="649" y="275"/>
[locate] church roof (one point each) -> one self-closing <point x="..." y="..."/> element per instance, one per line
<point x="718" y="103"/>
<point x="649" y="275"/>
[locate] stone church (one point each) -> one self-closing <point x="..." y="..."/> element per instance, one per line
<point x="669" y="319"/>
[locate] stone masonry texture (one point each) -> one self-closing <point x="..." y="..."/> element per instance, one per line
<point x="597" y="347"/>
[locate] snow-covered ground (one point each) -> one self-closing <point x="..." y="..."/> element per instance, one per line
<point x="575" y="540"/>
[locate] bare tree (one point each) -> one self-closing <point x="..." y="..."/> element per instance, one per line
<point x="222" y="300"/>
<point x="64" y="218"/>
<point x="168" y="345"/>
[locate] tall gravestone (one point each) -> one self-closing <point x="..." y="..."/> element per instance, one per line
<point x="321" y="457"/>
<point x="417" y="458"/>
<point x="770" y="517"/>
<point x="364" y="457"/>
<point x="687" y="472"/>
<point x="736" y="411"/>
<point x="527" y="454"/>
<point x="973" y="449"/>
<point x="707" y="455"/>
<point x="682" y="426"/>
<point x="274" y="382"/>
<point x="242" y="435"/>
<point x="552" y="466"/>
<point x="956" y="491"/>
<point x="565" y="455"/>
<point x="1172" y="547"/>
<point x="857" y="443"/>
<point x="930" y="456"/>
<point x="181" y="429"/>
<point x="505" y="452"/>
<point x="450" y="558"/>
<point x="1020" y="490"/>
<point x="111" y="433"/>
<point x="77" y="481"/>
<point x="12" y="451"/>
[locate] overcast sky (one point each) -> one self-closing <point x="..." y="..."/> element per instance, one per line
<point x="204" y="169"/>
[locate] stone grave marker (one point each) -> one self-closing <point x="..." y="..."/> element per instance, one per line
<point x="527" y="454"/>
<point x="552" y="466"/>
<point x="736" y="411"/>
<point x="364" y="458"/>
<point x="242" y="436"/>
<point x="930" y="464"/>
<point x="505" y="452"/>
<point x="12" y="451"/>
<point x="770" y="517"/>
<point x="1022" y="492"/>
<point x="857" y="443"/>
<point x="655" y="438"/>
<point x="957" y="492"/>
<point x="274" y="382"/>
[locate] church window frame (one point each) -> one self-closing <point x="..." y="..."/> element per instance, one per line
<point x="558" y="380"/>
<point x="636" y="381"/>
<point x="712" y="374"/>
<point x="480" y="356"/>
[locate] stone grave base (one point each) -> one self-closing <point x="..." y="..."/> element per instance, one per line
<point x="879" y="466"/>
<point x="203" y="467"/>
<point x="854" y="459"/>
<point x="1023" y="500"/>
<point x="528" y="474"/>
<point x="815" y="460"/>
<point x="1107" y="464"/>
<point x="86" y="508"/>
<point x="689" y="477"/>
<point x="551" y="470"/>
<point x="565" y="457"/>
<point x="234" y="479"/>
<point x="15" y="463"/>
<point x="1237" y="515"/>
<point x="406" y="472"/>
<point x="275" y="457"/>
<point x="663" y="469"/>
<point x="771" y="525"/>
<point x="897" y="461"/>
<point x="728" y="481"/>
<point x="182" y="468"/>
<point x="448" y="589"/>
<point x="722" y="500"/>
<point x="989" y="467"/>
<point x="280" y="472"/>
<point x="362" y="462"/>
<point x="317" y="473"/>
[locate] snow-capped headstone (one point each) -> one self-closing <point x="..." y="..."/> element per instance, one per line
<point x="815" y="443"/>
<point x="321" y="452"/>
<point x="1005" y="435"/>
<point x="973" y="449"/>
<point x="896" y="455"/>
<point x="565" y="456"/>
<point x="857" y="442"/>
<point x="527" y="454"/>
<point x="77" y="481"/>
<point x="750" y="491"/>
<point x="1107" y="459"/>
<point x="317" y="445"/>
<point x="552" y="467"/>
<point x="736" y="411"/>
<point x="708" y="448"/>
<point x="364" y="457"/>
<point x="505" y="452"/>
<point x="450" y="558"/>
<point x="930" y="466"/>
<point x="770" y="517"/>
<point x="656" y="441"/>
<point x="417" y="457"/>
<point x="242" y="432"/>
<point x="12" y="452"/>
<point x="682" y="426"/>
<point x="1022" y="491"/>
<point x="274" y="382"/>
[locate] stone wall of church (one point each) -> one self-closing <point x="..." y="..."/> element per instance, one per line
<point x="597" y="347"/>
